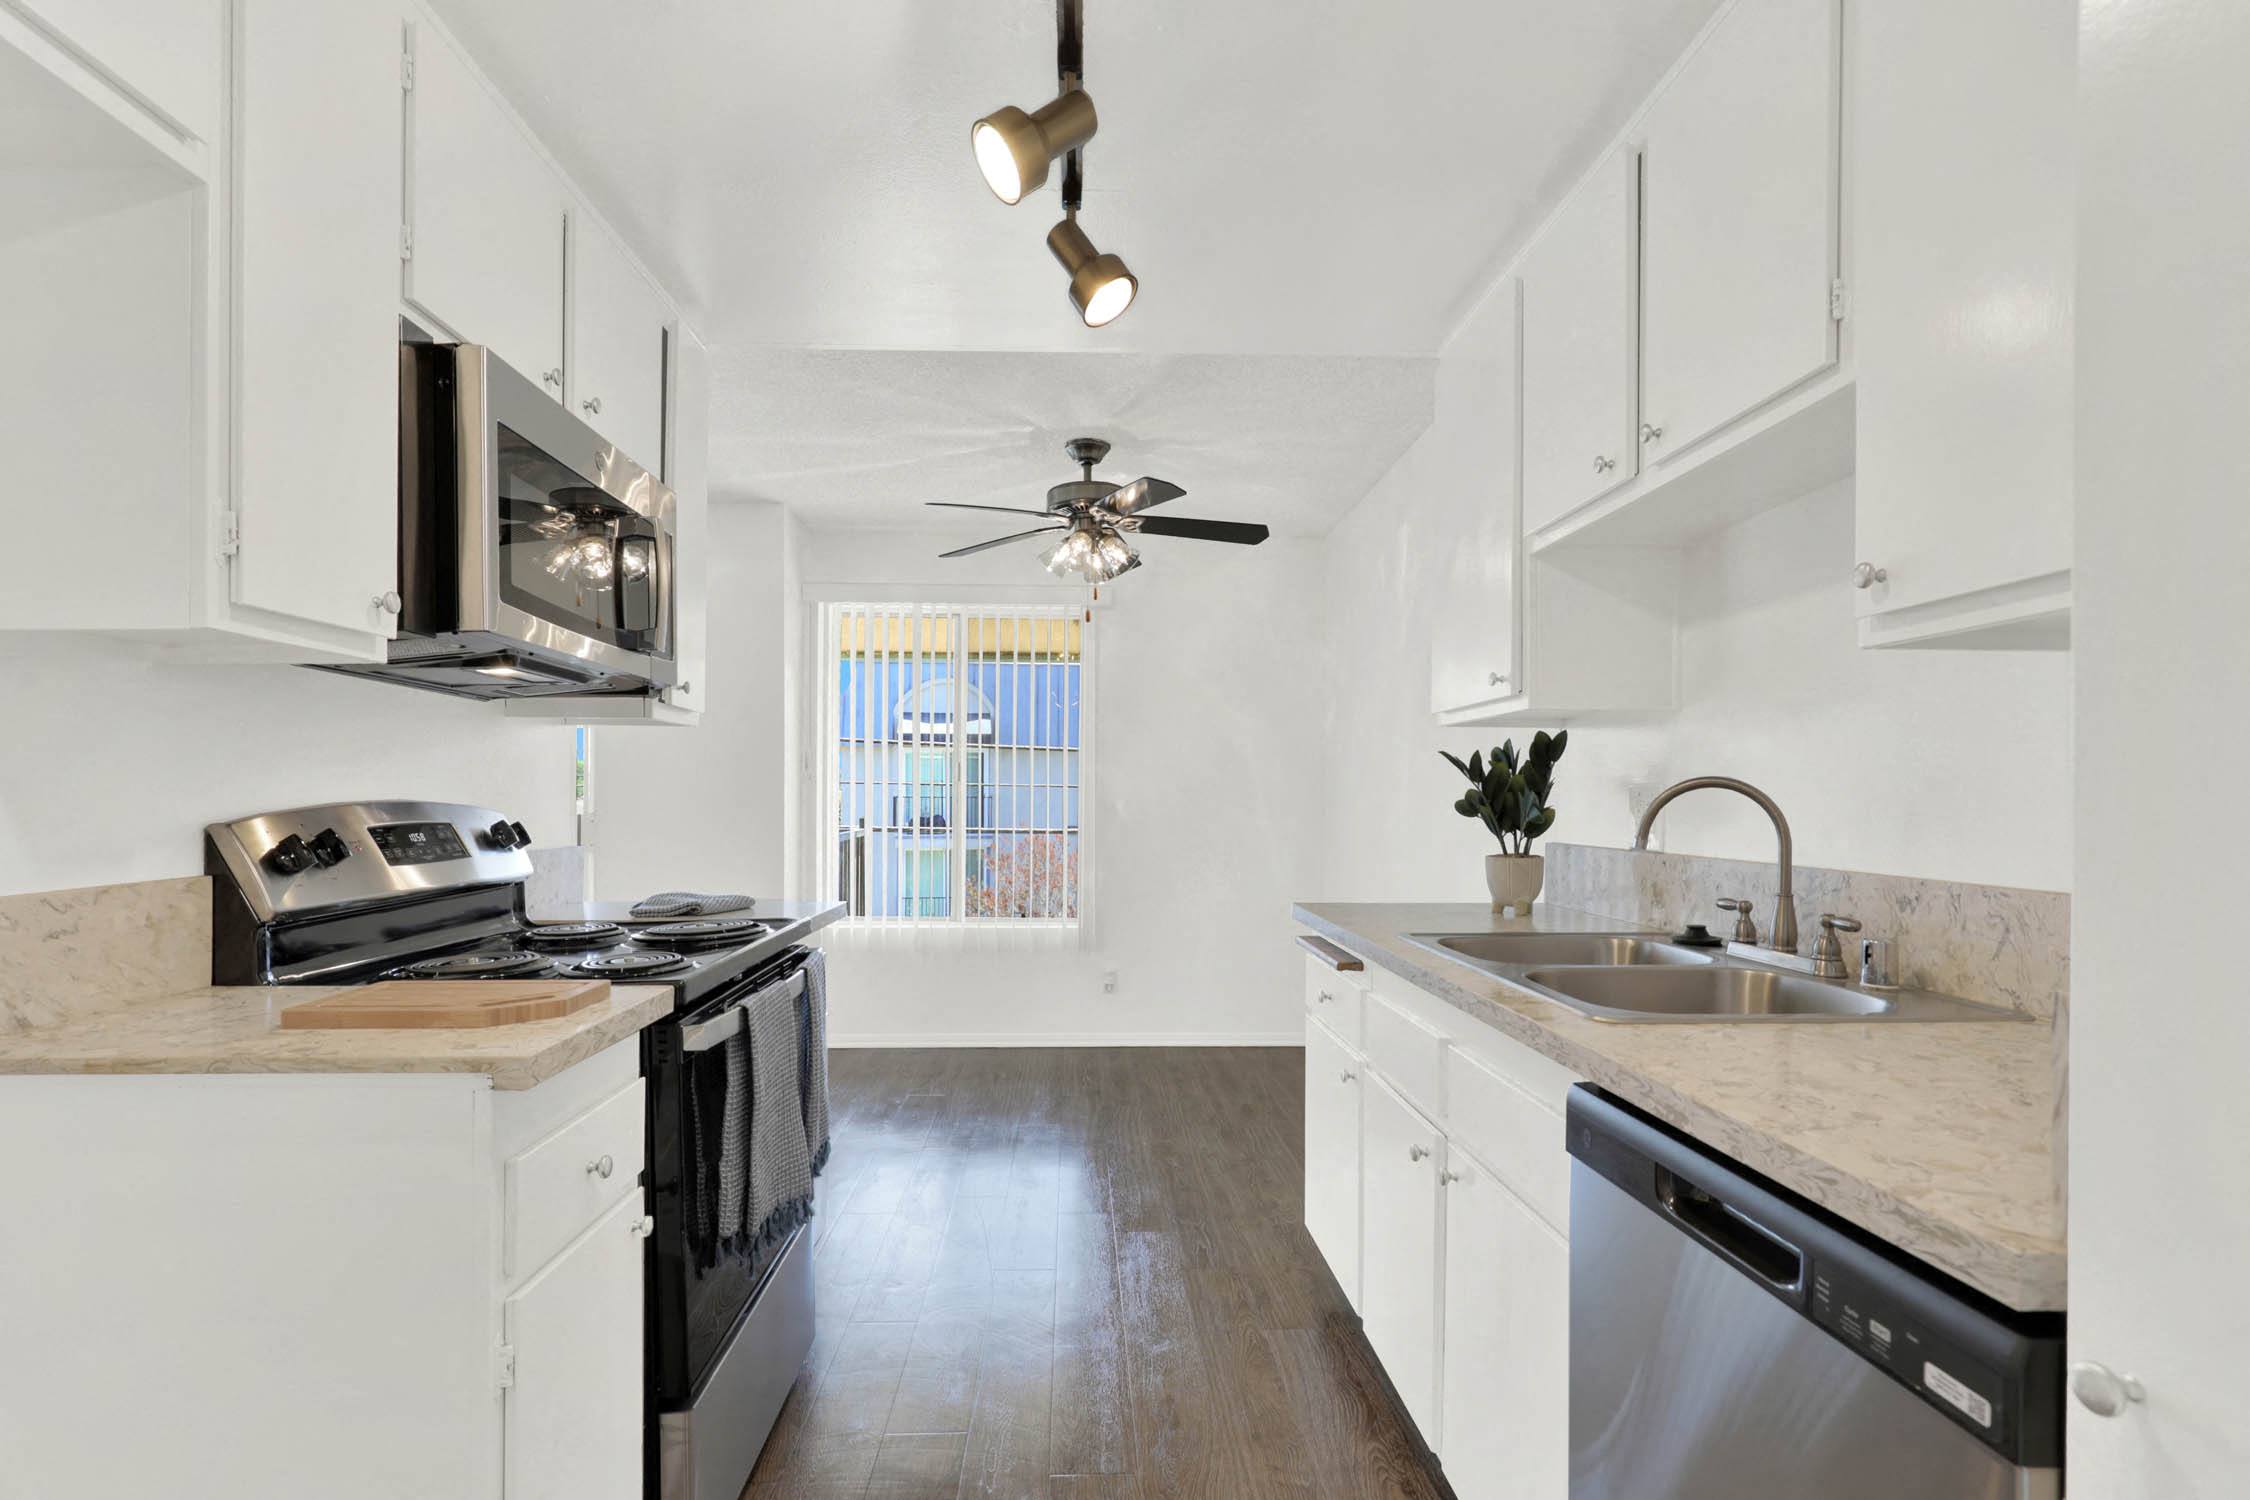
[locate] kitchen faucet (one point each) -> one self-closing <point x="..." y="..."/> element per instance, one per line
<point x="1785" y="902"/>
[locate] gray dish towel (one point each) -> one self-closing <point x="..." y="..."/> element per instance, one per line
<point x="812" y="1066"/>
<point x="689" y="904"/>
<point x="780" y="1187"/>
<point x="734" y="1136"/>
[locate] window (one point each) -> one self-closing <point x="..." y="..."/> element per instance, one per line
<point x="956" y="765"/>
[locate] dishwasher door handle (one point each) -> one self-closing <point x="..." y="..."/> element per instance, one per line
<point x="1730" y="1233"/>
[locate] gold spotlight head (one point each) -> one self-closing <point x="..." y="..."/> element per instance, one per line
<point x="1013" y="148"/>
<point x="1100" y="286"/>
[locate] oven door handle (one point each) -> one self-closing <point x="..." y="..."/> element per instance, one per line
<point x="702" y="1036"/>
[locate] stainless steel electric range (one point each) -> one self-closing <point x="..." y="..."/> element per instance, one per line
<point x="354" y="892"/>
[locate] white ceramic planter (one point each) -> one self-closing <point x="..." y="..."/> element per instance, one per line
<point x="1514" y="880"/>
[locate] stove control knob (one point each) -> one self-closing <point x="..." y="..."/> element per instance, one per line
<point x="329" y="849"/>
<point x="289" y="857"/>
<point x="523" y="835"/>
<point x="501" y="835"/>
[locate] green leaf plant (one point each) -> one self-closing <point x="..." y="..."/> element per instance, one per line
<point x="1510" y="796"/>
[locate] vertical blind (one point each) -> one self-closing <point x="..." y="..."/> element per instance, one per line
<point x="957" y="763"/>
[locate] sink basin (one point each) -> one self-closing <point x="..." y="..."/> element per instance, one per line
<point x="1715" y="991"/>
<point x="1605" y="948"/>
<point x="1740" y="992"/>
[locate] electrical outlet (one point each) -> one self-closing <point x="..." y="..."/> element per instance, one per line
<point x="1109" y="982"/>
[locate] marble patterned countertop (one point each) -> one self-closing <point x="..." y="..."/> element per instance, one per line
<point x="236" y="1029"/>
<point x="1936" y="1137"/>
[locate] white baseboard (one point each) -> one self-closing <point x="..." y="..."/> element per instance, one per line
<point x="1070" y="1039"/>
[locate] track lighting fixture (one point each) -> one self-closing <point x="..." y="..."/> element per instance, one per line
<point x="1013" y="150"/>
<point x="1100" y="286"/>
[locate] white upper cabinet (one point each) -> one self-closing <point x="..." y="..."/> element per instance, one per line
<point x="1578" y="375"/>
<point x="486" y="213"/>
<point x="1962" y="302"/>
<point x="1739" y="221"/>
<point x="619" y="328"/>
<point x="1473" y="446"/>
<point x="688" y="470"/>
<point x="169" y="54"/>
<point x="316" y="385"/>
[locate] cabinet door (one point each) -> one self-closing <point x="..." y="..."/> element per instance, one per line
<point x="487" y="213"/>
<point x="1399" y="1257"/>
<point x="1478" y="442"/>
<point x="688" y="470"/>
<point x="1962" y="288"/>
<point x="1578" y="298"/>
<point x="170" y="52"/>
<point x="572" y="1417"/>
<point x="617" y="355"/>
<point x="1738" y="221"/>
<point x="316" y="303"/>
<point x="1507" y="1342"/>
<point x="1332" y="1104"/>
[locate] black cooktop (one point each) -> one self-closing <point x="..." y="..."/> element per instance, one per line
<point x="692" y="957"/>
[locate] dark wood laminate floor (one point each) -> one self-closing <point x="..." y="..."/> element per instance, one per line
<point x="1079" y="1274"/>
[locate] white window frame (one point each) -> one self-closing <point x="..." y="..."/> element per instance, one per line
<point x="826" y="604"/>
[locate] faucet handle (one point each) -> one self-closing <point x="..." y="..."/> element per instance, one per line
<point x="1745" y="925"/>
<point x="1828" y="951"/>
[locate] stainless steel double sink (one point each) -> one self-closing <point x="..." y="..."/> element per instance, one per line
<point x="1630" y="976"/>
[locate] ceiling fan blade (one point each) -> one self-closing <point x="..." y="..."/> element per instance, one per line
<point x="1243" y="533"/>
<point x="1140" y="495"/>
<point x="1002" y="541"/>
<point x="1005" y="510"/>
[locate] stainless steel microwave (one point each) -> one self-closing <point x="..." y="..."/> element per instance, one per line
<point x="535" y="559"/>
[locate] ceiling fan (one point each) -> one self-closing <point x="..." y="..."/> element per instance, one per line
<point x="1095" y="518"/>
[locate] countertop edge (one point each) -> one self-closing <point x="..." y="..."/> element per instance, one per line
<point x="2025" y="1278"/>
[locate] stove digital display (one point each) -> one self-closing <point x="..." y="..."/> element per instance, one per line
<point x="418" y="843"/>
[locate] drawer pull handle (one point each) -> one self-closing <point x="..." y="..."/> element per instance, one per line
<point x="1416" y="1153"/>
<point x="601" y="1166"/>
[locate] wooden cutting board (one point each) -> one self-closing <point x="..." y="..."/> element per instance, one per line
<point x="415" y="1004"/>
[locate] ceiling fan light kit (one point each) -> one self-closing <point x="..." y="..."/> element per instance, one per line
<point x="1013" y="150"/>
<point x="1096" y="521"/>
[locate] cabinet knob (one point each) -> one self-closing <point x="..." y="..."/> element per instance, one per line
<point x="1867" y="575"/>
<point x="1495" y="679"/>
<point x="553" y="377"/>
<point x="2102" y="1390"/>
<point x="601" y="1166"/>
<point x="388" y="602"/>
<point x="1325" y="997"/>
<point x="1603" y="465"/>
<point x="644" y="1226"/>
<point x="592" y="406"/>
<point x="1417" y="1153"/>
<point x="1346" y="1076"/>
<point x="1651" y="434"/>
<point x="1449" y="1177"/>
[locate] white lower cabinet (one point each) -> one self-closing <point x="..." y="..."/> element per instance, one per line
<point x="1332" y="1108"/>
<point x="1399" y="1249"/>
<point x="1435" y="1167"/>
<point x="572" y="1415"/>
<point x="1506" y="1342"/>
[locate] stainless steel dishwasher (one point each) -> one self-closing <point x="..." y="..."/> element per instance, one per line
<point x="1730" y="1340"/>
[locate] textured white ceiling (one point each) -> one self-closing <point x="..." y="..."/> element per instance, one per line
<point x="1291" y="176"/>
<point x="1298" y="183"/>
<point x="863" y="438"/>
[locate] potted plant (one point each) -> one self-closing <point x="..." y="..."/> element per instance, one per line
<point x="1510" y="798"/>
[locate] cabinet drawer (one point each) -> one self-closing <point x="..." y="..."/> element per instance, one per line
<point x="559" y="1186"/>
<point x="1520" y="1138"/>
<point x="1406" y="1051"/>
<point x="1335" y="996"/>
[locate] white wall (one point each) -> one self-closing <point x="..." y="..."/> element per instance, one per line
<point x="1943" y="764"/>
<point x="1208" y="801"/>
<point x="708" y="808"/>
<point x="111" y="765"/>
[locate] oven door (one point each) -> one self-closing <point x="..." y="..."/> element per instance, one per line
<point x="560" y="542"/>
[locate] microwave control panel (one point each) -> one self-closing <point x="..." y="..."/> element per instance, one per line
<point x="418" y="843"/>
